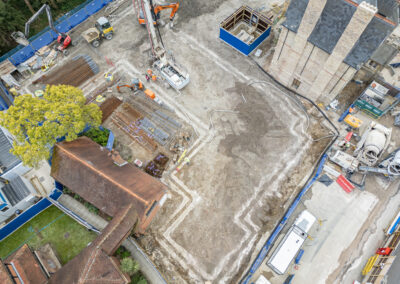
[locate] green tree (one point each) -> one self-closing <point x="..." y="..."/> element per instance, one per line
<point x="129" y="266"/>
<point x="37" y="123"/>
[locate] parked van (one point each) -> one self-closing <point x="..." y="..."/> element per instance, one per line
<point x="291" y="243"/>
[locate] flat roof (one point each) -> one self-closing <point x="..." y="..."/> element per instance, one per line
<point x="287" y="250"/>
<point x="305" y="221"/>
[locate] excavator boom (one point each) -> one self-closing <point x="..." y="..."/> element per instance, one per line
<point x="173" y="6"/>
<point x="169" y="70"/>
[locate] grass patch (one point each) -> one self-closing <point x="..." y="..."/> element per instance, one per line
<point x="52" y="226"/>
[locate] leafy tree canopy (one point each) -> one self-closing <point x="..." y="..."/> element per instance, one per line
<point x="129" y="266"/>
<point x="37" y="123"/>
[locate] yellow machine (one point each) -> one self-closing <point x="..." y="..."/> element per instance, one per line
<point x="353" y="121"/>
<point x="102" y="29"/>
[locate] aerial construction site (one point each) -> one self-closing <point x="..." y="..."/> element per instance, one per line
<point x="273" y="126"/>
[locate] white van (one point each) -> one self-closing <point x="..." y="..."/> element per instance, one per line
<point x="291" y="243"/>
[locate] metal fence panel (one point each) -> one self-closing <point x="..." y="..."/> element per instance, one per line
<point x="45" y="39"/>
<point x="24" y="217"/>
<point x="94" y="6"/>
<point x="22" y="55"/>
<point x="63" y="27"/>
<point x="77" y="18"/>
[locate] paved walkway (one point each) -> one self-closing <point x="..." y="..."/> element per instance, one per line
<point x="146" y="266"/>
<point x="80" y="210"/>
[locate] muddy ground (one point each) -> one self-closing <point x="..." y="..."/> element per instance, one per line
<point x="250" y="138"/>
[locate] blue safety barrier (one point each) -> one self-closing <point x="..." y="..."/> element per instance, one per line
<point x="343" y="116"/>
<point x="63" y="27"/>
<point x="110" y="141"/>
<point x="22" y="55"/>
<point x="263" y="253"/>
<point x="94" y="7"/>
<point x="24" y="217"/>
<point x="47" y="36"/>
<point x="45" y="39"/>
<point x="28" y="214"/>
<point x="77" y="18"/>
<point x="299" y="256"/>
<point x="3" y="105"/>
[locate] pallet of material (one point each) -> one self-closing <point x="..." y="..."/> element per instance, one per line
<point x="74" y="72"/>
<point x="108" y="107"/>
<point x="130" y="127"/>
<point x="131" y="112"/>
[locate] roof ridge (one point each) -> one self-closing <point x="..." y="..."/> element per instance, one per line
<point x="87" y="268"/>
<point x="102" y="174"/>
<point x="115" y="226"/>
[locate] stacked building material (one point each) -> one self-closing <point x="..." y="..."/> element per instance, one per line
<point x="109" y="106"/>
<point x="128" y="121"/>
<point x="73" y="72"/>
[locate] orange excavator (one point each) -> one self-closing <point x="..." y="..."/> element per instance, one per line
<point x="134" y="86"/>
<point x="156" y="9"/>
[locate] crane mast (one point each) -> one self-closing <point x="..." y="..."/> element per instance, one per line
<point x="169" y="70"/>
<point x="157" y="48"/>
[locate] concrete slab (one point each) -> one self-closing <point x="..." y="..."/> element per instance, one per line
<point x="342" y="216"/>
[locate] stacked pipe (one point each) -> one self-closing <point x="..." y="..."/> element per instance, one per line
<point x="74" y="72"/>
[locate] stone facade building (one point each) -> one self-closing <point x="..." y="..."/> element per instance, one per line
<point x="324" y="43"/>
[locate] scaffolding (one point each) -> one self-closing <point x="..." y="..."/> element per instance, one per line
<point x="379" y="265"/>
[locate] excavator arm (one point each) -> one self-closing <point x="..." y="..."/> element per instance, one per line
<point x="21" y="38"/>
<point x="173" y="6"/>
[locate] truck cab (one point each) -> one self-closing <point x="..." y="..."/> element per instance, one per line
<point x="104" y="27"/>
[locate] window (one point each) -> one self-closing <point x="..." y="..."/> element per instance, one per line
<point x="4" y="209"/>
<point x="151" y="208"/>
<point x="296" y="83"/>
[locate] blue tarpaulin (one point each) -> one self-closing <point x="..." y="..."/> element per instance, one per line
<point x="47" y="36"/>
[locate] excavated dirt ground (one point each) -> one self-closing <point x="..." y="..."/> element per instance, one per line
<point x="250" y="139"/>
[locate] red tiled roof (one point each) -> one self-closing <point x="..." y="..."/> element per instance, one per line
<point x="87" y="169"/>
<point x="94" y="265"/>
<point x="5" y="277"/>
<point x="26" y="265"/>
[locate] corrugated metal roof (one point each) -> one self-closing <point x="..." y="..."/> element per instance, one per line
<point x="7" y="160"/>
<point x="372" y="37"/>
<point x="294" y="14"/>
<point x="15" y="190"/>
<point x="333" y="21"/>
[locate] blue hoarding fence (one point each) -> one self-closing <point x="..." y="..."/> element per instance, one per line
<point x="67" y="22"/>
<point x="263" y="253"/>
<point x="27" y="215"/>
<point x="256" y="19"/>
<point x="110" y="141"/>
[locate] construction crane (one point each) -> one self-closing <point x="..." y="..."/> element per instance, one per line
<point x="156" y="9"/>
<point x="22" y="38"/>
<point x="168" y="69"/>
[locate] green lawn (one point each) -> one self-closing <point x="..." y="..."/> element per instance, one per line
<point x="52" y="226"/>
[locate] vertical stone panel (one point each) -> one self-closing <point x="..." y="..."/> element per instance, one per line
<point x="361" y="18"/>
